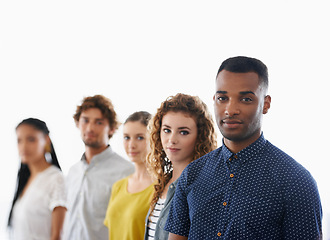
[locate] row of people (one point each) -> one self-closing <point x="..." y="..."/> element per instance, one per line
<point x="179" y="104"/>
<point x="181" y="186"/>
<point x="175" y="142"/>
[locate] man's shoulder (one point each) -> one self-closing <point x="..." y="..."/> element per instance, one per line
<point x="285" y="166"/>
<point x="206" y="159"/>
<point x="76" y="167"/>
<point x="117" y="160"/>
<point x="201" y="166"/>
<point x="280" y="157"/>
<point x="117" y="165"/>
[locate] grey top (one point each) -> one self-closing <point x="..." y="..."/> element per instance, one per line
<point x="89" y="188"/>
<point x="160" y="233"/>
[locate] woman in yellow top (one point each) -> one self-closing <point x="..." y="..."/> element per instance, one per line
<point x="130" y="197"/>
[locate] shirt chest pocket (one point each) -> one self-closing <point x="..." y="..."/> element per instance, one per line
<point x="161" y="233"/>
<point x="252" y="207"/>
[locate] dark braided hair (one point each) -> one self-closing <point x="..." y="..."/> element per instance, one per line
<point x="24" y="171"/>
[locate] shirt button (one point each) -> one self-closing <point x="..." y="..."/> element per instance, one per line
<point x="230" y="159"/>
<point x="219" y="234"/>
<point x="224" y="203"/>
<point x="235" y="157"/>
<point x="231" y="175"/>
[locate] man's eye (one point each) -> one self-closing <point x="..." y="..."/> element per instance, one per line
<point x="247" y="100"/>
<point x="140" y="138"/>
<point x="221" y="98"/>
<point x="126" y="138"/>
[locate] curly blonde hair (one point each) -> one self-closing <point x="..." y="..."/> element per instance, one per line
<point x="158" y="164"/>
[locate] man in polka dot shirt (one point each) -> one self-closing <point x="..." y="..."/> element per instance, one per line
<point x="248" y="188"/>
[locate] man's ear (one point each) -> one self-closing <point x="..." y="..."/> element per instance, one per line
<point x="267" y="102"/>
<point x="111" y="131"/>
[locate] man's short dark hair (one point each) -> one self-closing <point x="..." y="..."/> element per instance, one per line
<point x="243" y="64"/>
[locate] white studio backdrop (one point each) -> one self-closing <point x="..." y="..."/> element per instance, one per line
<point x="137" y="53"/>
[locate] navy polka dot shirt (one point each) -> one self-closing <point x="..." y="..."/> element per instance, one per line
<point x="259" y="193"/>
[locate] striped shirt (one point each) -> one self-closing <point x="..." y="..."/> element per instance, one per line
<point x="154" y="218"/>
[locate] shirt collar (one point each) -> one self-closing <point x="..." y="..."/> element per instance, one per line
<point x="246" y="153"/>
<point x="175" y="183"/>
<point x="99" y="157"/>
<point x="171" y="191"/>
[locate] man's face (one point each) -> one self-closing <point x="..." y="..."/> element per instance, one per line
<point x="239" y="103"/>
<point x="94" y="128"/>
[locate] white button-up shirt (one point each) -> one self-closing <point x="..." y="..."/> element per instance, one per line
<point x="89" y="189"/>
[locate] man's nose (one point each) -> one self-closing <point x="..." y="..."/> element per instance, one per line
<point x="232" y="108"/>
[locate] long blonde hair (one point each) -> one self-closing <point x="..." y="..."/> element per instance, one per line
<point x="157" y="162"/>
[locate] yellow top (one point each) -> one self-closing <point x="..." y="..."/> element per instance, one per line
<point x="126" y="213"/>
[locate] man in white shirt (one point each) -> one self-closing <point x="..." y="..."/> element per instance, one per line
<point x="89" y="181"/>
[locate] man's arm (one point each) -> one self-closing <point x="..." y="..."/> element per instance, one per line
<point x="173" y="236"/>
<point x="302" y="201"/>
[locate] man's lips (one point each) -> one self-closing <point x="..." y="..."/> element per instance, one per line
<point x="231" y="123"/>
<point x="90" y="135"/>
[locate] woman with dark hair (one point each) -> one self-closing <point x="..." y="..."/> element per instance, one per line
<point x="130" y="197"/>
<point x="39" y="203"/>
<point x="182" y="131"/>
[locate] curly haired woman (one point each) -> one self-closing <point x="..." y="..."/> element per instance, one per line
<point x="181" y="131"/>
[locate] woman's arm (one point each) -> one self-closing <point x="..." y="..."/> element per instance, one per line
<point x="58" y="215"/>
<point x="173" y="236"/>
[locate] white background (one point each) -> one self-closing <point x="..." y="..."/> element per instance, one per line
<point x="137" y="53"/>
